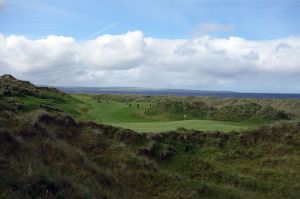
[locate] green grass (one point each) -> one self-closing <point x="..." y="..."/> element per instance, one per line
<point x="204" y="125"/>
<point x="59" y="158"/>
<point x="47" y="154"/>
<point x="69" y="105"/>
<point x="117" y="114"/>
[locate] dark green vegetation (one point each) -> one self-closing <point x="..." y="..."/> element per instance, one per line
<point x="45" y="153"/>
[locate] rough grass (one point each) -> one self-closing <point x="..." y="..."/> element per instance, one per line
<point x="49" y="154"/>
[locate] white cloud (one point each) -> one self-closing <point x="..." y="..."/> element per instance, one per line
<point x="113" y="52"/>
<point x="134" y="60"/>
<point x="208" y="28"/>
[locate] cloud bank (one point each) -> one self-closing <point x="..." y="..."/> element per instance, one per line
<point x="132" y="59"/>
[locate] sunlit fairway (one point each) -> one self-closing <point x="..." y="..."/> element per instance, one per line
<point x="205" y="125"/>
<point x="118" y="114"/>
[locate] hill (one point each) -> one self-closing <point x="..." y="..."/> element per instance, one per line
<point x="46" y="153"/>
<point x="10" y="86"/>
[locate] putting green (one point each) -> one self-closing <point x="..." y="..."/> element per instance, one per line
<point x="131" y="117"/>
<point x="204" y="125"/>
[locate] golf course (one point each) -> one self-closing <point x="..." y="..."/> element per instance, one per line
<point x="121" y="115"/>
<point x="59" y="145"/>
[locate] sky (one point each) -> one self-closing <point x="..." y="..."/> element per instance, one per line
<point x="231" y="45"/>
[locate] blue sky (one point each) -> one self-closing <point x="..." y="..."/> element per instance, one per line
<point x="234" y="45"/>
<point x="250" y="19"/>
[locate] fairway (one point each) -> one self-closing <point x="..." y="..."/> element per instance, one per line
<point x="204" y="125"/>
<point x="118" y="114"/>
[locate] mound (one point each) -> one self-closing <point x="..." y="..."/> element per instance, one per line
<point x="200" y="110"/>
<point x="22" y="96"/>
<point x="10" y="86"/>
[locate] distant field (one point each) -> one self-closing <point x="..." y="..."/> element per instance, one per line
<point x="117" y="114"/>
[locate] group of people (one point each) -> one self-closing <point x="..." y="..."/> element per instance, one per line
<point x="100" y="101"/>
<point x="127" y="104"/>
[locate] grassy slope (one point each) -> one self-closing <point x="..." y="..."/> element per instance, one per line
<point x="115" y="113"/>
